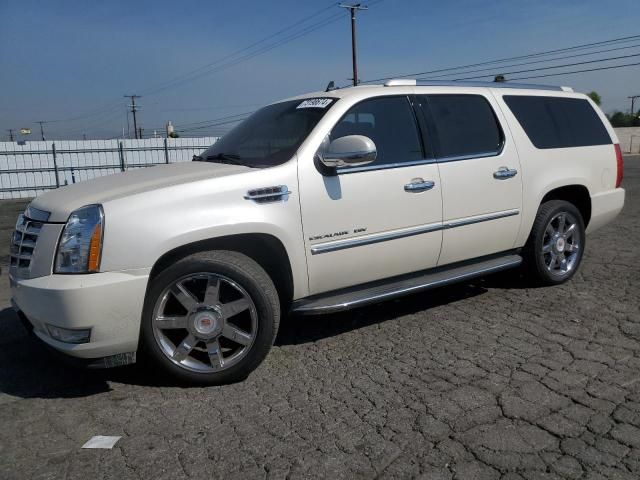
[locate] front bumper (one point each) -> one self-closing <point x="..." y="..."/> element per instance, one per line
<point x="110" y="304"/>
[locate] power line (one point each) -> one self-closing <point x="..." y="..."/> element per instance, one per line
<point x="232" y="62"/>
<point x="283" y="41"/>
<point x="579" y="71"/>
<point x="109" y="107"/>
<point x="493" y="69"/>
<point x="248" y="47"/>
<point x="226" y="117"/>
<point x="506" y="59"/>
<point x="261" y="51"/>
<point x="556" y="66"/>
<point x="205" y="127"/>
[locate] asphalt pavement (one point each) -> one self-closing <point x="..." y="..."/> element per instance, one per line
<point x="484" y="380"/>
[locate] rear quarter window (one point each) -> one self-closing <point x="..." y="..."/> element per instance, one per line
<point x="556" y="122"/>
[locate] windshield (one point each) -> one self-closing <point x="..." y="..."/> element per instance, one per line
<point x="270" y="136"/>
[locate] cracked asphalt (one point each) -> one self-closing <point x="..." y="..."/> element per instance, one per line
<point x="484" y="380"/>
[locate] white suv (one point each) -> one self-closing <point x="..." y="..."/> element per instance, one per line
<point x="319" y="203"/>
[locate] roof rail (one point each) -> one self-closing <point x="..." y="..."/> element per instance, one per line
<point x="406" y="82"/>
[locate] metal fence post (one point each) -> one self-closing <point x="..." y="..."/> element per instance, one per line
<point x="55" y="164"/>
<point x="121" y="152"/>
<point x="166" y="152"/>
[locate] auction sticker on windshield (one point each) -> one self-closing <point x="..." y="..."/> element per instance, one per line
<point x="316" y="103"/>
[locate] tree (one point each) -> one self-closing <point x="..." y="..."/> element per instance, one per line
<point x="595" y="97"/>
<point x="620" y="119"/>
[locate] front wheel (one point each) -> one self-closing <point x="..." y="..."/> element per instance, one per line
<point x="210" y="318"/>
<point x="556" y="244"/>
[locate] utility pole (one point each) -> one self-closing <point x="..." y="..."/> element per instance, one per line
<point x="133" y="111"/>
<point x="352" y="9"/>
<point x="633" y="102"/>
<point x="42" y="130"/>
<point x="10" y="134"/>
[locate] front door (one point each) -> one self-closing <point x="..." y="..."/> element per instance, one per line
<point x="376" y="221"/>
<point x="480" y="174"/>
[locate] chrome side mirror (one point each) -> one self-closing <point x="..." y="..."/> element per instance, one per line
<point x="349" y="151"/>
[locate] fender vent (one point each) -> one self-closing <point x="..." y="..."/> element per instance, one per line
<point x="268" y="194"/>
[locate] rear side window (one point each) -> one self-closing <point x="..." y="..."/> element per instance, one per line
<point x="465" y="125"/>
<point x="556" y="122"/>
<point x="390" y="123"/>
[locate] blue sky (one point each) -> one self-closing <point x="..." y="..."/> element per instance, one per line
<point x="61" y="60"/>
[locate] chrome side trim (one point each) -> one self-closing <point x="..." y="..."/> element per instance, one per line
<point x="424" y="161"/>
<point x="459" y="158"/>
<point x="481" y="218"/>
<point x="374" y="238"/>
<point x="408" y="232"/>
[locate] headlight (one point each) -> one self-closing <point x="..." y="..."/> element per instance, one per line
<point x="80" y="245"/>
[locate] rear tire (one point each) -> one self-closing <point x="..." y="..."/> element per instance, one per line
<point x="556" y="244"/>
<point x="210" y="318"/>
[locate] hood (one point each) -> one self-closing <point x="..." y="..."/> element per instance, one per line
<point x="62" y="201"/>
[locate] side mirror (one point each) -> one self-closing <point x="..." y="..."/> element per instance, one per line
<point x="349" y="151"/>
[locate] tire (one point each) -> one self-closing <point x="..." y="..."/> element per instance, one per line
<point x="554" y="250"/>
<point x="210" y="318"/>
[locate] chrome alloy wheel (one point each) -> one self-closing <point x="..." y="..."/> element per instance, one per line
<point x="205" y="322"/>
<point x="561" y="244"/>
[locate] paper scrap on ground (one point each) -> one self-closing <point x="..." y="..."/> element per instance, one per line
<point x="101" y="441"/>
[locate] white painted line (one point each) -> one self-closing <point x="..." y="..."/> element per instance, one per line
<point x="101" y="441"/>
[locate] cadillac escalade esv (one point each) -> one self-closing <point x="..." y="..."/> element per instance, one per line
<point x="319" y="203"/>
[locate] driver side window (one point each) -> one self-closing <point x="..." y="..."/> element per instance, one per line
<point x="390" y="123"/>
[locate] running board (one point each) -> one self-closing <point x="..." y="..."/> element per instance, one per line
<point x="379" y="291"/>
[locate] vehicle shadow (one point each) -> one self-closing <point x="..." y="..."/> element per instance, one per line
<point x="30" y="370"/>
<point x="298" y="329"/>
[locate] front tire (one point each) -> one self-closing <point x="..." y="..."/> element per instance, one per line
<point x="556" y="244"/>
<point x="210" y="318"/>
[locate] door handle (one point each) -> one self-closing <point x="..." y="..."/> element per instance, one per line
<point x="419" y="185"/>
<point x="505" y="172"/>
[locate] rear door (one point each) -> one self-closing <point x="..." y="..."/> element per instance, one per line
<point x="480" y="174"/>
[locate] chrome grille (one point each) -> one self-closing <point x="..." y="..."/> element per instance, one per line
<point x="23" y="242"/>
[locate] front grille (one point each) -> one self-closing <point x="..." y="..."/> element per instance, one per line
<point x="23" y="242"/>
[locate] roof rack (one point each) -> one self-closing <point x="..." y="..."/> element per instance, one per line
<point x="409" y="82"/>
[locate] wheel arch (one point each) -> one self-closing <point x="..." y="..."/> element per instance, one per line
<point x="575" y="194"/>
<point x="265" y="249"/>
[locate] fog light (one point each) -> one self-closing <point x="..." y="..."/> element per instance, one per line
<point x="68" y="335"/>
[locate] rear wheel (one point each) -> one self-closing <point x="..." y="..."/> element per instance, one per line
<point x="211" y="318"/>
<point x="555" y="247"/>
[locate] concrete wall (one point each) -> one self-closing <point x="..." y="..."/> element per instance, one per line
<point x="629" y="139"/>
